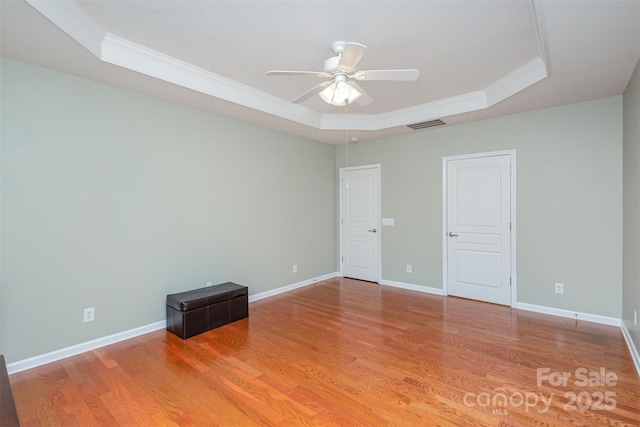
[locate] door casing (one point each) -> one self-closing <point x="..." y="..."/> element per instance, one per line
<point x="445" y="238"/>
<point x="342" y="238"/>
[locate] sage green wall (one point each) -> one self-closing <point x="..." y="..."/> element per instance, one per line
<point x="1" y="287"/>
<point x="569" y="200"/>
<point x="111" y="200"/>
<point x="631" y="168"/>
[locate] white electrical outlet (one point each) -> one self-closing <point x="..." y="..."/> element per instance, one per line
<point x="295" y="268"/>
<point x="559" y="288"/>
<point x="88" y="314"/>
<point x="409" y="268"/>
<point x="635" y="317"/>
<point x="209" y="284"/>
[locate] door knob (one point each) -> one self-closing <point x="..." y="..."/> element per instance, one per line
<point x="373" y="230"/>
<point x="452" y="234"/>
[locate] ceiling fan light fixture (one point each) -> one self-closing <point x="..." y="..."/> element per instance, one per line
<point x="340" y="93"/>
<point x="354" y="94"/>
<point x="342" y="90"/>
<point x="327" y="93"/>
<point x="340" y="69"/>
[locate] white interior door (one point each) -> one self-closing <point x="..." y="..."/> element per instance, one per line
<point x="478" y="228"/>
<point x="359" y="222"/>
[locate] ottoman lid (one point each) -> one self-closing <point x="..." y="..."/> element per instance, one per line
<point x="196" y="298"/>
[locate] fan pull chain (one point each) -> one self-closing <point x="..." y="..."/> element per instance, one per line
<point x="346" y="135"/>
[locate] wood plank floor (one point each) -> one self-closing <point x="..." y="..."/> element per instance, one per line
<point x="348" y="353"/>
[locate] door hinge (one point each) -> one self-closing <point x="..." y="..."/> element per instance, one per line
<point x="341" y="220"/>
<point x="509" y="281"/>
<point x="341" y="259"/>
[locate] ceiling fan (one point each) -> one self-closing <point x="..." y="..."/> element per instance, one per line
<point x="341" y="89"/>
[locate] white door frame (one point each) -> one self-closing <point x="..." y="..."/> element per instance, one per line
<point x="445" y="240"/>
<point x="341" y="241"/>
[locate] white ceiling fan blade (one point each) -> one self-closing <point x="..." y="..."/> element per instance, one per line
<point x="313" y="91"/>
<point x="351" y="56"/>
<point x="397" y="75"/>
<point x="298" y="73"/>
<point x="364" y="99"/>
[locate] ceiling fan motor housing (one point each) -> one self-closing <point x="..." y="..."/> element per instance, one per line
<point x="331" y="65"/>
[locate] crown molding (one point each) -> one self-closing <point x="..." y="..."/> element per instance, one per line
<point x="110" y="48"/>
<point x="445" y="107"/>
<point x="127" y="54"/>
<point x="73" y="20"/>
<point x="519" y="79"/>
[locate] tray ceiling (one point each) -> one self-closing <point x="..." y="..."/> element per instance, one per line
<point x="476" y="58"/>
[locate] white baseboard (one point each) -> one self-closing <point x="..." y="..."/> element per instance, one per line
<point x="63" y="353"/>
<point x="288" y="288"/>
<point x="632" y="347"/>
<point x="604" y="320"/>
<point x="411" y="287"/>
<point x="56" y="355"/>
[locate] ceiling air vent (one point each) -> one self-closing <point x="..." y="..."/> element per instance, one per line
<point x="425" y="125"/>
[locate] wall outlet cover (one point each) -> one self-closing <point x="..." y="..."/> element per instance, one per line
<point x="88" y="314"/>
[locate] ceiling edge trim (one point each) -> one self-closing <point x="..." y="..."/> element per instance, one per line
<point x="127" y="54"/>
<point x="445" y="107"/>
<point x="73" y="20"/>
<point x="77" y="23"/>
<point x="540" y="29"/>
<point x="519" y="79"/>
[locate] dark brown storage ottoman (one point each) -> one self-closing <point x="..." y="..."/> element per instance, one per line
<point x="194" y="312"/>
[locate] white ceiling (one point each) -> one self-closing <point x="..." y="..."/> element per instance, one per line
<point x="476" y="59"/>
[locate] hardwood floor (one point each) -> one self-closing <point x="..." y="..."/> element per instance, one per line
<point x="348" y="353"/>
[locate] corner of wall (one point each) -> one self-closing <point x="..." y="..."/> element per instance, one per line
<point x="633" y="347"/>
<point x="631" y="215"/>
